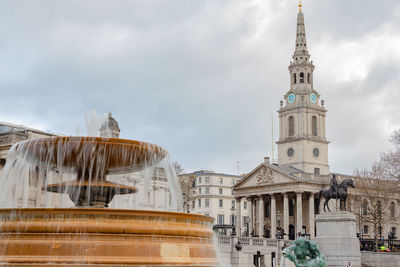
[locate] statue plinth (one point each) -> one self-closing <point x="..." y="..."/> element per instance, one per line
<point x="337" y="238"/>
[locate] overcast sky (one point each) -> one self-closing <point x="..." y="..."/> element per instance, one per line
<point x="202" y="78"/>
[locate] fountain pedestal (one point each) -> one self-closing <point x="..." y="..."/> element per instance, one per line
<point x="337" y="238"/>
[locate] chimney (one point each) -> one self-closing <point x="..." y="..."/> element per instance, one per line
<point x="266" y="160"/>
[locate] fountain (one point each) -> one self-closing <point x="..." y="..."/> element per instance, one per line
<point x="90" y="233"/>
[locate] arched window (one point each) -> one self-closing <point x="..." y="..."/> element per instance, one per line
<point x="294" y="78"/>
<point x="291" y="126"/>
<point x="314" y="126"/>
<point x="392" y="210"/>
<point x="291" y="208"/>
<point x="308" y="78"/>
<point x="301" y="77"/>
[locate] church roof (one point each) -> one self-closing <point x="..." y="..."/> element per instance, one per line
<point x="295" y="176"/>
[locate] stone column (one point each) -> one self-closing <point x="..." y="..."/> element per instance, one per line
<point x="238" y="216"/>
<point x="260" y="216"/>
<point x="250" y="207"/>
<point x="254" y="211"/>
<point x="286" y="216"/>
<point x="311" y="215"/>
<point x="273" y="216"/>
<point x="299" y="206"/>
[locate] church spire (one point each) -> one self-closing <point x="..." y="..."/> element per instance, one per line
<point x="301" y="44"/>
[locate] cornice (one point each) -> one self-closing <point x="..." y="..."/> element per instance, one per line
<point x="302" y="138"/>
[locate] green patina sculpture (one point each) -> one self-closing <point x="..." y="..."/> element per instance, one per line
<point x="305" y="253"/>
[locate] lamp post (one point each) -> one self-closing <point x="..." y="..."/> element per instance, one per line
<point x="233" y="220"/>
<point x="278" y="218"/>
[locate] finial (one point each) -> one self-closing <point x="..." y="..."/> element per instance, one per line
<point x="300" y="5"/>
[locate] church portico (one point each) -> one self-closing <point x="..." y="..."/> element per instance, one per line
<point x="284" y="213"/>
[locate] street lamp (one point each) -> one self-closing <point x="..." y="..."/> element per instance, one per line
<point x="278" y="218"/>
<point x="233" y="220"/>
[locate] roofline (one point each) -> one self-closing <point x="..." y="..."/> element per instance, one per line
<point x="26" y="128"/>
<point x="212" y="173"/>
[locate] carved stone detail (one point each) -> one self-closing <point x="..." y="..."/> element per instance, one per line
<point x="265" y="176"/>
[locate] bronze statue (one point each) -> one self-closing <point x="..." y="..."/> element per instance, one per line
<point x="336" y="191"/>
<point x="305" y="253"/>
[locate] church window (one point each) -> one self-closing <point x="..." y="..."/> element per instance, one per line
<point x="308" y="78"/>
<point x="290" y="152"/>
<point x="301" y="77"/>
<point x="245" y="205"/>
<point x="266" y="209"/>
<point x="316" y="170"/>
<point x="316" y="207"/>
<point x="392" y="210"/>
<point x="314" y="126"/>
<point x="294" y="78"/>
<point x="291" y="208"/>
<point x="291" y="126"/>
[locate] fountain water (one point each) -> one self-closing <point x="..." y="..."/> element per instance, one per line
<point x="85" y="169"/>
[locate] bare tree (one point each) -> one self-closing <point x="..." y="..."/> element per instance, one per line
<point x="374" y="207"/>
<point x="390" y="161"/>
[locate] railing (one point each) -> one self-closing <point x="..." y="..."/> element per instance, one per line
<point x="224" y="239"/>
<point x="248" y="241"/>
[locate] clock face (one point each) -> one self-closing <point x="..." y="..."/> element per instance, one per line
<point x="291" y="98"/>
<point x="316" y="152"/>
<point x="313" y="98"/>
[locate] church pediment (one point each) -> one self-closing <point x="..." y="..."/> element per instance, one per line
<point x="264" y="175"/>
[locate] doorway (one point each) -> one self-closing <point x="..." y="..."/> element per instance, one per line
<point x="292" y="234"/>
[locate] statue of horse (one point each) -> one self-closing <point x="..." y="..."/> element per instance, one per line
<point x="340" y="194"/>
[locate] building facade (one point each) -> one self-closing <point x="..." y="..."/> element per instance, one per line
<point x="11" y="133"/>
<point x="210" y="194"/>
<point x="283" y="198"/>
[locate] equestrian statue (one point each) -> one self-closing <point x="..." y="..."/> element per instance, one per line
<point x="336" y="191"/>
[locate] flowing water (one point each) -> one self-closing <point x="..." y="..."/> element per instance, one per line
<point x="33" y="165"/>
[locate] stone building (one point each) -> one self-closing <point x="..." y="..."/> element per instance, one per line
<point x="12" y="133"/>
<point x="282" y="197"/>
<point x="210" y="193"/>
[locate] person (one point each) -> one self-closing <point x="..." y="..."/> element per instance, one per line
<point x="349" y="264"/>
<point x="334" y="186"/>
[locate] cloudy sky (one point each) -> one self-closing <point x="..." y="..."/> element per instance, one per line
<point x="202" y="78"/>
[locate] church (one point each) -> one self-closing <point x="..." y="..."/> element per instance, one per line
<point x="281" y="200"/>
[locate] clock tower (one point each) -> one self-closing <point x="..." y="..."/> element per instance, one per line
<point x="302" y="129"/>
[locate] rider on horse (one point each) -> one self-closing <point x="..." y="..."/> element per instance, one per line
<point x="334" y="187"/>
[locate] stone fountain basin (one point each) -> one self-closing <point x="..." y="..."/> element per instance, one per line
<point x="85" y="154"/>
<point x="87" y="236"/>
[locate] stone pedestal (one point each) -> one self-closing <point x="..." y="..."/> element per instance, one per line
<point x="337" y="238"/>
